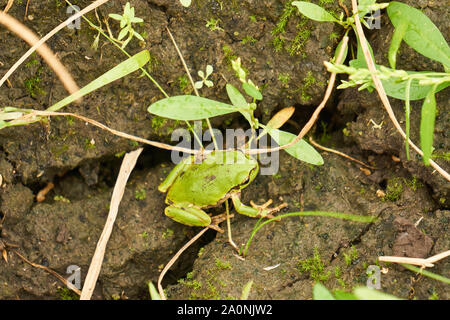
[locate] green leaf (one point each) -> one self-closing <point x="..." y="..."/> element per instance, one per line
<point x="236" y="97"/>
<point x="302" y="150"/>
<point x="338" y="50"/>
<point x="115" y="16"/>
<point x="394" y="88"/>
<point x="186" y="3"/>
<point x="189" y="108"/>
<point x="313" y="11"/>
<point x="246" y="290"/>
<point x="397" y="38"/>
<point x="121" y="70"/>
<point x="153" y="292"/>
<point x="397" y="89"/>
<point x="360" y="61"/>
<point x="365" y="293"/>
<point x="122" y="34"/>
<point x="252" y="91"/>
<point x="421" y="33"/>
<point x="321" y="293"/>
<point x="137" y="35"/>
<point x="343" y="295"/>
<point x="427" y="125"/>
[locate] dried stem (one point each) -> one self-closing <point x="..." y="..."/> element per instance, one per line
<point x="49" y="57"/>
<point x="48" y="36"/>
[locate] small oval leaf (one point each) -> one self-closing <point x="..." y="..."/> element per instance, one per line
<point x="236" y="97"/>
<point x="189" y="108"/>
<point x="302" y="150"/>
<point x="313" y="11"/>
<point x="252" y="91"/>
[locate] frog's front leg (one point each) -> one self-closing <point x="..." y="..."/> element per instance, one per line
<point x="191" y="216"/>
<point x="176" y="171"/>
<point x="254" y="211"/>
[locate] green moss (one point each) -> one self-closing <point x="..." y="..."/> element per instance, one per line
<point x="300" y="40"/>
<point x="144" y="235"/>
<point x="140" y="194"/>
<point x="284" y="78"/>
<point x="32" y="84"/>
<point x="248" y="39"/>
<point x="229" y="54"/>
<point x="314" y="266"/>
<point x="296" y="46"/>
<point x="308" y="81"/>
<point x="338" y="275"/>
<point x="67" y="294"/>
<point x="414" y="183"/>
<point x="350" y="257"/>
<point x="184" y="85"/>
<point x="394" y="189"/>
<point x="213" y="24"/>
<point x="168" y="233"/>
<point x="61" y="198"/>
<point x="444" y="156"/>
<point x="89" y="144"/>
<point x="434" y="295"/>
<point x="223" y="265"/>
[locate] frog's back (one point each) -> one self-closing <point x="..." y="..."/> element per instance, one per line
<point x="207" y="183"/>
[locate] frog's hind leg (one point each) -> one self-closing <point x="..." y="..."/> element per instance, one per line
<point x="264" y="208"/>
<point x="255" y="211"/>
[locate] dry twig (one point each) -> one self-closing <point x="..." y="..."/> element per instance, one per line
<point x="128" y="163"/>
<point x="423" y="263"/>
<point x="48" y="36"/>
<point x="32" y="39"/>
<point x="57" y="275"/>
<point x="8" y="6"/>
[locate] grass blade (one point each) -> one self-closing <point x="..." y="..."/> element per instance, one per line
<point x="121" y="70"/>
<point x="339" y="215"/>
<point x="427" y="125"/>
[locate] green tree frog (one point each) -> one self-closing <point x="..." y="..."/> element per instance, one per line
<point x="192" y="187"/>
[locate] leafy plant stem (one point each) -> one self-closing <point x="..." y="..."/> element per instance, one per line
<point x="382" y="92"/>
<point x="193" y="85"/>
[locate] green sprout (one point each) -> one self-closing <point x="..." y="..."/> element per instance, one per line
<point x="204" y="81"/>
<point x="126" y="21"/>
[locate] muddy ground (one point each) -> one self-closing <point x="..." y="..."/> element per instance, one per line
<point x="284" y="54"/>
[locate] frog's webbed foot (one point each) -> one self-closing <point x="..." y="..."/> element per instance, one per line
<point x="265" y="211"/>
<point x="216" y="220"/>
